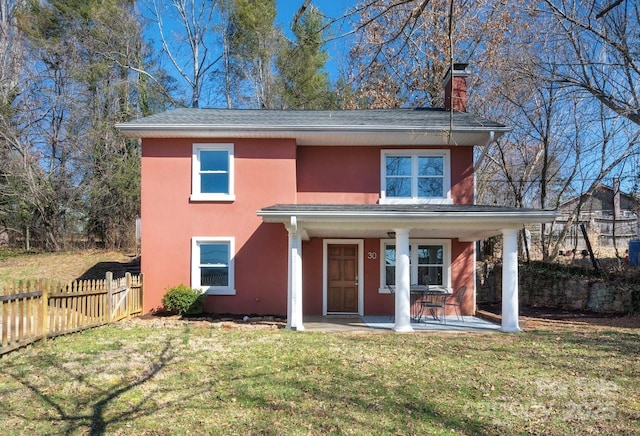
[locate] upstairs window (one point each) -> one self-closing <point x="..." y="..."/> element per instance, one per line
<point x="212" y="172"/>
<point x="415" y="176"/>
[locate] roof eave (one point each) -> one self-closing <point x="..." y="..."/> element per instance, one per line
<point x="525" y="217"/>
<point x="323" y="135"/>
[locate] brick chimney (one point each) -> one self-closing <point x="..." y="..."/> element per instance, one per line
<point x="455" y="88"/>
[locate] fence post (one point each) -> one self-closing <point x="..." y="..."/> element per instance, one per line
<point x="129" y="294"/>
<point x="44" y="309"/>
<point x="141" y="283"/>
<point x="109" y="282"/>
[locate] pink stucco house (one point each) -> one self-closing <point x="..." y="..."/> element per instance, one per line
<point x="316" y="212"/>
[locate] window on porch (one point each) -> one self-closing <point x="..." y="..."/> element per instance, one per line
<point x="429" y="263"/>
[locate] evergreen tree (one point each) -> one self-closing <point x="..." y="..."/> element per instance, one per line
<point x="252" y="40"/>
<point x="300" y="63"/>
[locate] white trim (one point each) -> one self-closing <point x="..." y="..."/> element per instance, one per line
<point x="402" y="297"/>
<point x="195" y="265"/>
<point x="196" y="195"/>
<point x="360" y="244"/>
<point x="446" y="260"/>
<point x="294" y="283"/>
<point x="510" y="322"/>
<point x="414" y="199"/>
<point x="474" y="244"/>
<point x="505" y="218"/>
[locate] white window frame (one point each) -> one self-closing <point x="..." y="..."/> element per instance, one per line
<point x="195" y="265"/>
<point x="196" y="195"/>
<point x="413" y="244"/>
<point x="414" y="199"/>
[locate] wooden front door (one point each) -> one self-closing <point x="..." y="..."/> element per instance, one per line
<point x="342" y="280"/>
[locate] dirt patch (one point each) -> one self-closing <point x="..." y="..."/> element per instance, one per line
<point x="540" y="318"/>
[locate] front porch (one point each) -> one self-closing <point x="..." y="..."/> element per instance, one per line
<point x="372" y="323"/>
<point x="403" y="225"/>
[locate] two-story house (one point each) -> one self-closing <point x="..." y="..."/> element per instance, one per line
<point x="317" y="212"/>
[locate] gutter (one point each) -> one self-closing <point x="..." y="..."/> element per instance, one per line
<point x="492" y="137"/>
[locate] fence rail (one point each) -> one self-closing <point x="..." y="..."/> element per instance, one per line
<point x="35" y="310"/>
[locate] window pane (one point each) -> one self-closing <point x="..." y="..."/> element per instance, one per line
<point x="430" y="275"/>
<point x="214" y="183"/>
<point x="398" y="165"/>
<point x="214" y="160"/>
<point x="214" y="254"/>
<point x="398" y="187"/>
<point x="430" y="254"/>
<point x="430" y="187"/>
<point x="214" y="276"/>
<point x="390" y="264"/>
<point x="390" y="255"/>
<point x="430" y="166"/>
<point x="390" y="272"/>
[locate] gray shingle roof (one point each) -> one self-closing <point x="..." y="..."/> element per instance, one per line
<point x="420" y="119"/>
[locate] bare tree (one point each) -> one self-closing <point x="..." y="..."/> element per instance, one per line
<point x="548" y="72"/>
<point x="253" y="42"/>
<point x="402" y="48"/>
<point x="601" y="57"/>
<point x="187" y="30"/>
<point x="65" y="172"/>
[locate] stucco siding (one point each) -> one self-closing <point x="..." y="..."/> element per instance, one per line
<point x="269" y="172"/>
<point x="341" y="175"/>
<point x="264" y="175"/>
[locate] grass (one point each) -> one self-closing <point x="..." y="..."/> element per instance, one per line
<point x="131" y="379"/>
<point x="64" y="266"/>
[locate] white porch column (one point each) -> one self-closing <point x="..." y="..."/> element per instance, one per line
<point x="294" y="289"/>
<point x="403" y="283"/>
<point x="510" y="280"/>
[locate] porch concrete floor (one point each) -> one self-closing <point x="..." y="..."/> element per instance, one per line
<point x="385" y="323"/>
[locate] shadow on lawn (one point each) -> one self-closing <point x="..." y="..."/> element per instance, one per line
<point x="355" y="402"/>
<point x="119" y="269"/>
<point x="80" y="404"/>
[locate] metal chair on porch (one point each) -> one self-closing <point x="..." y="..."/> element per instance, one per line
<point x="455" y="300"/>
<point x="433" y="304"/>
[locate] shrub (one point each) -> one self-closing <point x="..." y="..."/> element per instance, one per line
<point x="183" y="300"/>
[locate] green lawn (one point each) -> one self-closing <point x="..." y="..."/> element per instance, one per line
<point x="129" y="379"/>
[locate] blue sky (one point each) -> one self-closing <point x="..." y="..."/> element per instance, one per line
<point x="332" y="8"/>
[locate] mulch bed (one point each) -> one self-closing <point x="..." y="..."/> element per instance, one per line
<point x="223" y="321"/>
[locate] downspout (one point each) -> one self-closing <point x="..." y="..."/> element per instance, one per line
<point x="492" y="136"/>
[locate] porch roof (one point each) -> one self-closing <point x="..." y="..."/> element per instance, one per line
<point x="464" y="222"/>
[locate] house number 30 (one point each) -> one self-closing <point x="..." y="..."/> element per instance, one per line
<point x="372" y="255"/>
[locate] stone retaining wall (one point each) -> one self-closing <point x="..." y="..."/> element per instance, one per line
<point x="557" y="289"/>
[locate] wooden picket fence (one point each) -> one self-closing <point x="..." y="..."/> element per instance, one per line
<point x="34" y="310"/>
